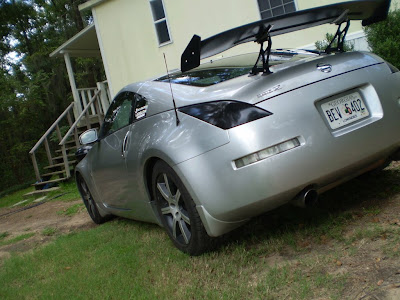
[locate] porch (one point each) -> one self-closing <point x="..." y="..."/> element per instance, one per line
<point x="60" y="141"/>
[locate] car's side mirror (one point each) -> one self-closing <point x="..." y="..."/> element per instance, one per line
<point x="88" y="137"/>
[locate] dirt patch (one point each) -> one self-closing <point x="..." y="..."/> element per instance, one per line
<point x="371" y="263"/>
<point x="44" y="221"/>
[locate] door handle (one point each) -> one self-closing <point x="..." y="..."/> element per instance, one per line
<point x="124" y="144"/>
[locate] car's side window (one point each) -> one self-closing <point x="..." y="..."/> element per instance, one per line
<point x="118" y="115"/>
<point x="140" y="107"/>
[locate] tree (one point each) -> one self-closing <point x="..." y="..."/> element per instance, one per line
<point x="383" y="38"/>
<point x="34" y="87"/>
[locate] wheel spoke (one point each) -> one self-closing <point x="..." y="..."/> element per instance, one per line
<point x="164" y="191"/>
<point x="185" y="231"/>
<point x="84" y="187"/>
<point x="167" y="184"/>
<point x="185" y="217"/>
<point x="166" y="210"/>
<point x="177" y="197"/>
<point x="174" y="221"/>
<point x="91" y="206"/>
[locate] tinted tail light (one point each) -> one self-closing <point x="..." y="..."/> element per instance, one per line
<point x="225" y="114"/>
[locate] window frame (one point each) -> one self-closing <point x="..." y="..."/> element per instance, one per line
<point x="159" y="21"/>
<point x="259" y="8"/>
<point x="134" y="106"/>
<point x="124" y="95"/>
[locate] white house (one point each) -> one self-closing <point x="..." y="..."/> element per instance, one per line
<point x="132" y="36"/>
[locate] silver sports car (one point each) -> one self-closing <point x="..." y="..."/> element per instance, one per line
<point x="202" y="150"/>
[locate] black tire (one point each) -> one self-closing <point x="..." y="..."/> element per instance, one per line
<point x="177" y="212"/>
<point x="89" y="202"/>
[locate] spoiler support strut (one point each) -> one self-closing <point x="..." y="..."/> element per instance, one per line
<point x="263" y="36"/>
<point x="339" y="36"/>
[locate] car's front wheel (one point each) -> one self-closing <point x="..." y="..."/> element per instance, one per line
<point x="177" y="211"/>
<point x="89" y="202"/>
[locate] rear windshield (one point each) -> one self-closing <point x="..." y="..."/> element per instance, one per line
<point x="206" y="77"/>
<point x="228" y="68"/>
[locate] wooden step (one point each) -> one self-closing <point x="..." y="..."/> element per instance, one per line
<point x="68" y="155"/>
<point x="39" y="193"/>
<point x="60" y="164"/>
<point x="53" y="173"/>
<point x="50" y="181"/>
<point x="70" y="142"/>
<point x="70" y="148"/>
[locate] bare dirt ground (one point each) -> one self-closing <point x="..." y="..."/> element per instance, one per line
<point x="45" y="221"/>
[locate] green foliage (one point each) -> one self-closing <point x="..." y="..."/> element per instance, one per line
<point x="383" y="38"/>
<point x="54" y="136"/>
<point x="322" y="45"/>
<point x="34" y="88"/>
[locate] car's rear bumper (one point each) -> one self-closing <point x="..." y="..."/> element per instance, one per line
<point x="227" y="196"/>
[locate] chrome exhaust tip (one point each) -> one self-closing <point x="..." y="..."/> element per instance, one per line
<point x="306" y="198"/>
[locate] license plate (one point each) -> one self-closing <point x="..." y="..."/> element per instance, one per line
<point x="344" y="110"/>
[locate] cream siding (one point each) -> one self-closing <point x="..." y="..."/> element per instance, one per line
<point x="129" y="41"/>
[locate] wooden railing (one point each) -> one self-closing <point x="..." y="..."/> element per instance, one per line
<point x="94" y="103"/>
<point x="85" y="112"/>
<point x="44" y="139"/>
<point x="85" y="94"/>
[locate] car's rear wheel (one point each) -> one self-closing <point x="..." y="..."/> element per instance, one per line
<point x="177" y="211"/>
<point x="89" y="202"/>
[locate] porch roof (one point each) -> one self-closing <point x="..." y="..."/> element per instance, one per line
<point x="82" y="44"/>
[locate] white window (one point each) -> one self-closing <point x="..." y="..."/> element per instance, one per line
<point x="273" y="8"/>
<point x="160" y="21"/>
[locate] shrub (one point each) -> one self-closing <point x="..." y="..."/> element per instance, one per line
<point x="383" y="38"/>
<point x="321" y="45"/>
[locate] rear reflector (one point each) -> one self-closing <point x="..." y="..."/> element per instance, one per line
<point x="267" y="152"/>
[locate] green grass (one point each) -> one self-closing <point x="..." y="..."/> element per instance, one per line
<point x="17" y="239"/>
<point x="3" y="235"/>
<point x="49" y="231"/>
<point x="124" y="259"/>
<point x="68" y="192"/>
<point x="131" y="260"/>
<point x="73" y="209"/>
<point x="14" y="197"/>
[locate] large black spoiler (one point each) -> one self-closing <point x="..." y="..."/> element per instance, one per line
<point x="369" y="11"/>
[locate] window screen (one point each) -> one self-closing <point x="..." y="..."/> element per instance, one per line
<point x="273" y="8"/>
<point x="160" y="21"/>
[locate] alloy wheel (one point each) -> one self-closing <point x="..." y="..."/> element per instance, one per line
<point x="173" y="209"/>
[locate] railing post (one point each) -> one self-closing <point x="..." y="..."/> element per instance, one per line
<point x="69" y="118"/>
<point x="35" y="167"/>
<point x="105" y="103"/>
<point x="64" y="154"/>
<point x="63" y="141"/>
<point x="99" y="115"/>
<point x="88" y="125"/>
<point x="89" y="94"/>
<point x="83" y="97"/>
<point x="46" y="145"/>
